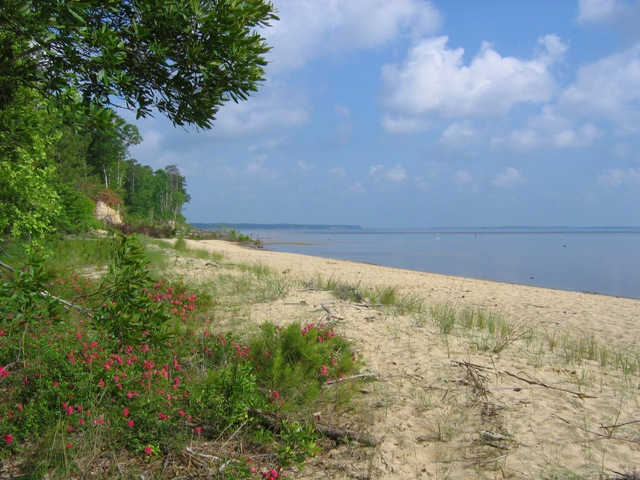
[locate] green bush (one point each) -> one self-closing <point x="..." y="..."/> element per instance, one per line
<point x="77" y="212"/>
<point x="77" y="383"/>
<point x="129" y="313"/>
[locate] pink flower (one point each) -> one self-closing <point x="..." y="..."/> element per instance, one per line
<point x="130" y="423"/>
<point x="69" y="410"/>
<point x="125" y="412"/>
<point x="101" y="383"/>
<point x="69" y="428"/>
<point x="324" y="370"/>
<point x="68" y="445"/>
<point x="8" y="438"/>
<point x="147" y="450"/>
<point x="198" y="430"/>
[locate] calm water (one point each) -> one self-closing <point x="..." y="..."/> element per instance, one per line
<point x="605" y="261"/>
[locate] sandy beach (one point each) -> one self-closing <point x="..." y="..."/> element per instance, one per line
<point x="454" y="405"/>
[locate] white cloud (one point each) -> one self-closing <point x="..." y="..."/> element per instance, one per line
<point x="509" y="178"/>
<point x="608" y="88"/>
<point x="272" y="109"/>
<point x="465" y="182"/>
<point x="315" y="28"/>
<point x="395" y="124"/>
<point x="546" y="137"/>
<point x="616" y="178"/>
<point x="338" y="172"/>
<point x="460" y="136"/>
<point x="257" y="169"/>
<point x="597" y="10"/>
<point x="551" y="49"/>
<point x="396" y="174"/>
<point x="462" y="177"/>
<point x="305" y="167"/>
<point x="356" y="189"/>
<point x="434" y="79"/>
<point x="342" y="111"/>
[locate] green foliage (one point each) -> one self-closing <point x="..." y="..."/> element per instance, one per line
<point x="22" y="295"/>
<point x="128" y="313"/>
<point x="28" y="199"/>
<point x="76" y="213"/>
<point x="73" y="391"/>
<point x="296" y="361"/>
<point x="183" y="58"/>
<point x="298" y="442"/>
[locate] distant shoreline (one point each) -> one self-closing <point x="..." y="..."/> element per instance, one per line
<point x="272" y="226"/>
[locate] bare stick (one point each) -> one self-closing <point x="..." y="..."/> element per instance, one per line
<point x="536" y="382"/>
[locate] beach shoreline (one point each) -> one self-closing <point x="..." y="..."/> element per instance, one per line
<point x="554" y="395"/>
<point x="603" y="315"/>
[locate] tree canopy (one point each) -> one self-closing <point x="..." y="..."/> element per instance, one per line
<point x="65" y="65"/>
<point x="184" y="58"/>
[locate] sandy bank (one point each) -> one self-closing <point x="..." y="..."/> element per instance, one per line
<point x="455" y="406"/>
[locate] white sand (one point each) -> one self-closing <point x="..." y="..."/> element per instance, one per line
<point x="444" y="409"/>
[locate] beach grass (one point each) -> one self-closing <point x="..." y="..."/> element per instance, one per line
<point x="472" y="402"/>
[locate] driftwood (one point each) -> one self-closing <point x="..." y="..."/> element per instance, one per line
<point x="270" y="420"/>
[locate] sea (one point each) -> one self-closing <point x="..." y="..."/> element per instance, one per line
<point x="596" y="260"/>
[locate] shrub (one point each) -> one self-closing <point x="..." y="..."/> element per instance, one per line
<point x="76" y="382"/>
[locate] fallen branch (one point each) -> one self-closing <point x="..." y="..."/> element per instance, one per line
<point x="542" y="384"/>
<point x="352" y="377"/>
<point x="45" y="294"/>
<point x="270" y="420"/>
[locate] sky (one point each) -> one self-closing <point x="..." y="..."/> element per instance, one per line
<point x="419" y="114"/>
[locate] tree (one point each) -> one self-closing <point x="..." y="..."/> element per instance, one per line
<point x="108" y="149"/>
<point x="28" y="199"/>
<point x="184" y="58"/>
<point x="139" y="189"/>
<point x="170" y="193"/>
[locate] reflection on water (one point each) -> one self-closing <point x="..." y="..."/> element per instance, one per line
<point x="605" y="261"/>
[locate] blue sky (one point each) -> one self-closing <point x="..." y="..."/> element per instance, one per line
<point x="414" y="113"/>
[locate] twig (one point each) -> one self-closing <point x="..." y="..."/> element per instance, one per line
<point x="362" y="375"/>
<point x="202" y="455"/>
<point x="542" y="384"/>
<point x="46" y="294"/>
<point x="619" y="424"/>
<point x="4" y="265"/>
